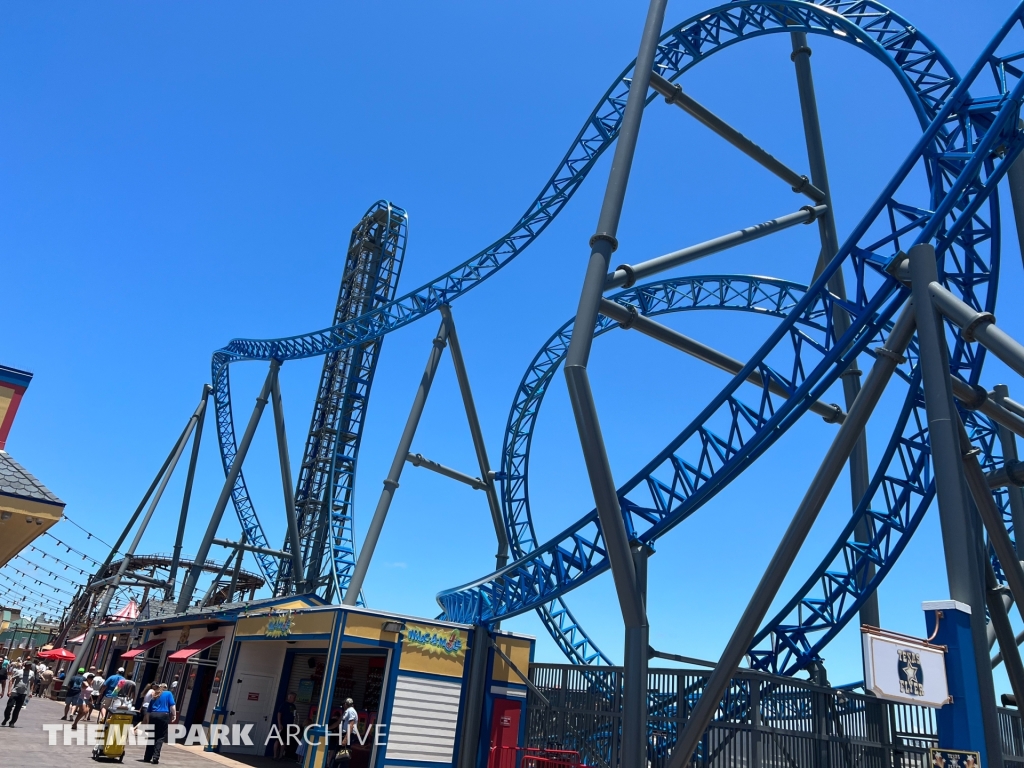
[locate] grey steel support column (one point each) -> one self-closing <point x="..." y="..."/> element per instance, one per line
<point x="613" y="528"/>
<point x="992" y="519"/>
<point x="1015" y="181"/>
<point x="221" y="573"/>
<point x="990" y="631"/>
<point x="501" y="558"/>
<point x="217" y="515"/>
<point x="811" y="504"/>
<point x="380" y="514"/>
<point x="109" y="590"/>
<point x="238" y="569"/>
<point x="477" y="687"/>
<point x="963" y="570"/>
<point x="286" y="478"/>
<point x="1000" y="622"/>
<point x="636" y="653"/>
<point x="186" y="497"/>
<point x="1008" y="444"/>
<point x="860" y="476"/>
<point x="175" y="451"/>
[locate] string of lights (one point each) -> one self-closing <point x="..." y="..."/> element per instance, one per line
<point x="88" y="534"/>
<point x="18" y="588"/>
<point x="71" y="549"/>
<point x="33" y="578"/>
<point x="43" y="568"/>
<point x="41" y="602"/>
<point x="21" y="590"/>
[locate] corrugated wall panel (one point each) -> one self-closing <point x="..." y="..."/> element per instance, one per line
<point x="423" y="720"/>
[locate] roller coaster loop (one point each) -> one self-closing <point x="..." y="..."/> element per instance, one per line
<point x="802" y="356"/>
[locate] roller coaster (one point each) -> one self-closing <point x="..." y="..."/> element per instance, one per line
<point x="858" y="305"/>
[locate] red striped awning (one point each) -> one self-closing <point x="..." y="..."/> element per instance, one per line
<point x="141" y="649"/>
<point x="186" y="653"/>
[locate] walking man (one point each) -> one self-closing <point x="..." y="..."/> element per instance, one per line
<point x="74" y="694"/>
<point x="109" y="692"/>
<point x="15" y="702"/>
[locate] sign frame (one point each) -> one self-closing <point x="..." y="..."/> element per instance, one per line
<point x="910" y="658"/>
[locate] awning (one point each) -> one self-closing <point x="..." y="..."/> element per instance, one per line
<point x="77" y="640"/>
<point x="141" y="649"/>
<point x="189" y="651"/>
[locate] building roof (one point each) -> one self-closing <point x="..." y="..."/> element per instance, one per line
<point x="17" y="481"/>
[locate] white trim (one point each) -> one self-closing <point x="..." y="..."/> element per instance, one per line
<point x="946" y="605"/>
<point x="502" y="690"/>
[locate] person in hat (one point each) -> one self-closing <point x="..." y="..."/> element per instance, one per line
<point x="74" y="695"/>
<point x="109" y="692"/>
<point x="349" y="721"/>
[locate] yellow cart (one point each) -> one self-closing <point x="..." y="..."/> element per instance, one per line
<point x="112" y="747"/>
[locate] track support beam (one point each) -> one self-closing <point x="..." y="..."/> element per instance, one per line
<point x="477" y="434"/>
<point x="288" y="486"/>
<point x="814" y="499"/>
<point x="627" y="275"/>
<point x="860" y="472"/>
<point x="156" y="491"/>
<point x="186" y="497"/>
<point x="419" y="460"/>
<point x="395" y="473"/>
<point x="633" y="751"/>
<point x="630" y="318"/>
<point x="674" y="95"/>
<point x="217" y="515"/>
<point x="959" y="533"/>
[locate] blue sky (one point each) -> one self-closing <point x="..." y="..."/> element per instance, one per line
<point x="179" y="174"/>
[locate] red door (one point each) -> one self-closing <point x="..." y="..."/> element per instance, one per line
<point x="504" y="733"/>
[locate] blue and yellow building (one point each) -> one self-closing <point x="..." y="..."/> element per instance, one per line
<point x="410" y="679"/>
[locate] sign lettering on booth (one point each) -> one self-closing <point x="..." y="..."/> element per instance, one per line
<point x="904" y="669"/>
<point x="254" y="696"/>
<point x="448" y="642"/>
<point x="953" y="758"/>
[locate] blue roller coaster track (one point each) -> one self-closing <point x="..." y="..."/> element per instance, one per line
<point x="963" y="153"/>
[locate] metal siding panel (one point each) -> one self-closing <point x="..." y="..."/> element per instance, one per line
<point x="424" y="719"/>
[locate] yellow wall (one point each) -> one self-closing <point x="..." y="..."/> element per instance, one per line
<point x="368" y="627"/>
<point x="518" y="650"/>
<point x="319" y="623"/>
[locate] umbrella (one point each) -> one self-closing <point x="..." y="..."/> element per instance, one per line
<point x="60" y="653"/>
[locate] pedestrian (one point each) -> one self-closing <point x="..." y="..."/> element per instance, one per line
<point x="125" y="695"/>
<point x="29" y="673"/>
<point x="142" y="705"/>
<point x="73" y="697"/>
<point x="109" y="691"/>
<point x="46" y="679"/>
<point x="162" y="712"/>
<point x="15" y="702"/>
<point x="13" y="675"/>
<point x="349" y="721"/>
<point x="85" y="706"/>
<point x="283" y="717"/>
<point x="4" y="666"/>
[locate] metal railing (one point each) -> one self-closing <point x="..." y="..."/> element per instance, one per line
<point x="762" y="721"/>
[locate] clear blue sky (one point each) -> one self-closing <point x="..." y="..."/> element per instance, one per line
<point x="178" y="174"/>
